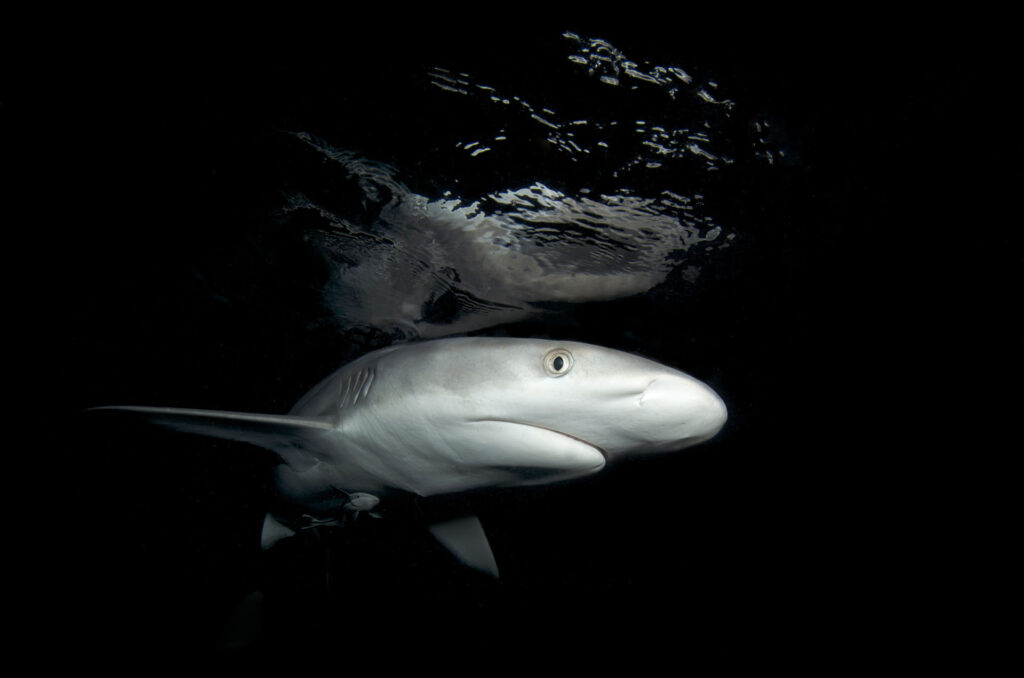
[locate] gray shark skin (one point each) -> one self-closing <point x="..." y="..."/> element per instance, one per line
<point x="461" y="414"/>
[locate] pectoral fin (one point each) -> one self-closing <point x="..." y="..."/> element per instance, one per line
<point x="271" y="431"/>
<point x="466" y="540"/>
<point x="273" y="532"/>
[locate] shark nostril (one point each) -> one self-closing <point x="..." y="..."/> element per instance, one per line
<point x="645" y="391"/>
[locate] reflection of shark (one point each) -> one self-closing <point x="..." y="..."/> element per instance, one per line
<point x="461" y="414"/>
<point x="430" y="267"/>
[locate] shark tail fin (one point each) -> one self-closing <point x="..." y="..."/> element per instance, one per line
<point x="271" y="431"/>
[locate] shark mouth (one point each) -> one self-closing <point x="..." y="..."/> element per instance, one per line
<point x="599" y="450"/>
<point x="592" y="454"/>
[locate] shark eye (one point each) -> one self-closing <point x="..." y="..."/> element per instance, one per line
<point x="558" y="362"/>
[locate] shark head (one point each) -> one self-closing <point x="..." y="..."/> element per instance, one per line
<point x="521" y="411"/>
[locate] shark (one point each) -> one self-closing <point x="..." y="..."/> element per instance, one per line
<point x="455" y="415"/>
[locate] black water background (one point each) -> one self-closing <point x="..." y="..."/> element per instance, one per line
<point x="786" y="538"/>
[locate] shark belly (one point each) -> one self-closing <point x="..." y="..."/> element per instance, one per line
<point x="365" y="455"/>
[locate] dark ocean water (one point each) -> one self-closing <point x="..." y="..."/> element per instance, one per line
<point x="231" y="229"/>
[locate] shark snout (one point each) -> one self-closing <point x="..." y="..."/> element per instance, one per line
<point x="682" y="411"/>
